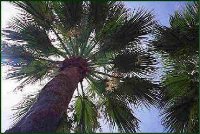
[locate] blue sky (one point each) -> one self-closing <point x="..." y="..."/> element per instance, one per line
<point x="150" y="120"/>
<point x="161" y="9"/>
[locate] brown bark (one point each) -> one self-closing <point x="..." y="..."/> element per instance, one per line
<point x="53" y="100"/>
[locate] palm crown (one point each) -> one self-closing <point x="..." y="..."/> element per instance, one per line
<point x="103" y="40"/>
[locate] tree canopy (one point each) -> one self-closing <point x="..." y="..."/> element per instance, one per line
<point x="107" y="36"/>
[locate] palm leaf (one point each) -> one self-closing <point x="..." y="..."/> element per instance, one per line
<point x="35" y="38"/>
<point x="118" y="114"/>
<point x="69" y="13"/>
<point x="39" y="12"/>
<point x="181" y="116"/>
<point x="85" y="115"/>
<point x="180" y="97"/>
<point x="31" y="73"/>
<point x="185" y="25"/>
<point x="138" y="91"/>
<point x="132" y="29"/>
<point x="138" y="62"/>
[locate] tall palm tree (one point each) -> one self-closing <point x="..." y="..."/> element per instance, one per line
<point x="179" y="44"/>
<point x="73" y="43"/>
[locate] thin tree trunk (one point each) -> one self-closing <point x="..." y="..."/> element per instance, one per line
<point x="53" y="100"/>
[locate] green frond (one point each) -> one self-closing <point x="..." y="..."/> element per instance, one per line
<point x="179" y="101"/>
<point x="69" y="13"/>
<point x="138" y="91"/>
<point x="181" y="116"/>
<point x="31" y="73"/>
<point x="97" y="86"/>
<point x="36" y="69"/>
<point x="181" y="38"/>
<point x="98" y="12"/>
<point x="118" y="114"/>
<point x="177" y="85"/>
<point x="39" y="11"/>
<point x="131" y="30"/>
<point x="102" y="58"/>
<point x="186" y="18"/>
<point x="34" y="38"/>
<point x="138" y="62"/>
<point x="85" y="115"/>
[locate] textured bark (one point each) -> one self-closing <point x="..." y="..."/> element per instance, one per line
<point x="53" y="100"/>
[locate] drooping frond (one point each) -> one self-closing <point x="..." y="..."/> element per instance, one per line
<point x="97" y="86"/>
<point x="85" y="115"/>
<point x="37" y="69"/>
<point x="32" y="72"/>
<point x="118" y="114"/>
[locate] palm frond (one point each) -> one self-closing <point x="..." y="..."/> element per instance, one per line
<point x="38" y="11"/>
<point x="180" y="98"/>
<point x="181" y="37"/>
<point x="85" y="115"/>
<point x="69" y="13"/>
<point x="186" y="18"/>
<point x="181" y="115"/>
<point x="136" y="61"/>
<point x="97" y="86"/>
<point x="98" y="14"/>
<point x="36" y="69"/>
<point x="35" y="38"/>
<point x="138" y="91"/>
<point x="31" y="73"/>
<point x="131" y="29"/>
<point x="118" y="114"/>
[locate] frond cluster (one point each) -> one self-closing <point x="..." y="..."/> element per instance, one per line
<point x="180" y="43"/>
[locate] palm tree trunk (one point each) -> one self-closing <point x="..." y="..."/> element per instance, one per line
<point x="52" y="102"/>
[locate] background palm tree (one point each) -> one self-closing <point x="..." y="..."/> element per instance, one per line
<point x="74" y="42"/>
<point x="179" y="45"/>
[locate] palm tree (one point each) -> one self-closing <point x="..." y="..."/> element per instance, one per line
<point x="72" y="43"/>
<point x="179" y="44"/>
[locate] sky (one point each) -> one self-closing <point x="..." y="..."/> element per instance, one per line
<point x="150" y="120"/>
